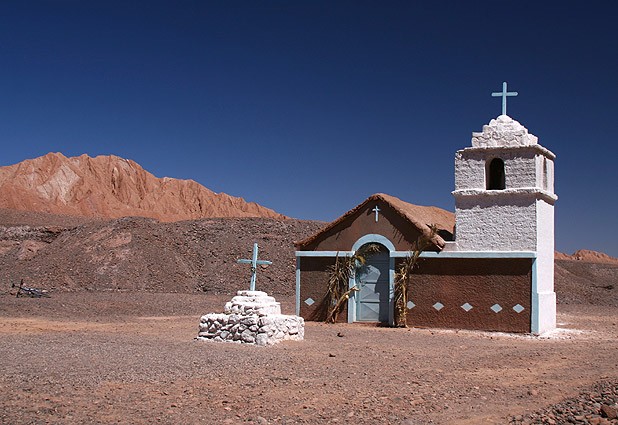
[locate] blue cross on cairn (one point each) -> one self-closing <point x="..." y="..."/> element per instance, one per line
<point x="254" y="263"/>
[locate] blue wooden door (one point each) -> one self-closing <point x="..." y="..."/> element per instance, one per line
<point x="372" y="279"/>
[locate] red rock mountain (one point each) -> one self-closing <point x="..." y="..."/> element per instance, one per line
<point x="113" y="187"/>
<point x="588" y="256"/>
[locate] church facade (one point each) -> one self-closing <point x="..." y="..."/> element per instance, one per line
<point x="488" y="267"/>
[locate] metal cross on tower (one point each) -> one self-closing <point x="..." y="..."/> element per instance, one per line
<point x="504" y="95"/>
<point x="377" y="210"/>
<point x="254" y="262"/>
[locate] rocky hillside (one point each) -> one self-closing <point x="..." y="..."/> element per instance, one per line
<point x="142" y="254"/>
<point x="69" y="253"/>
<point x="113" y="187"/>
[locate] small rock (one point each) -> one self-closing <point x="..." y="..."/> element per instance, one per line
<point x="261" y="339"/>
<point x="609" y="412"/>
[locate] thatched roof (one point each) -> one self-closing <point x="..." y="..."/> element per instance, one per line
<point x="419" y="216"/>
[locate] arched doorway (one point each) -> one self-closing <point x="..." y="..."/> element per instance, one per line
<point x="372" y="280"/>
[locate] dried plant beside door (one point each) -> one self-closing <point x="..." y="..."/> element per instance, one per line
<point x="403" y="276"/>
<point x="339" y="290"/>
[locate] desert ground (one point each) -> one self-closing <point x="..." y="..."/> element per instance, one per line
<point x="128" y="357"/>
<point x="115" y="341"/>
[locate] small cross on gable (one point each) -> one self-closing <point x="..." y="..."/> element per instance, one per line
<point x="376" y="210"/>
<point x="254" y="263"/>
<point x="504" y="93"/>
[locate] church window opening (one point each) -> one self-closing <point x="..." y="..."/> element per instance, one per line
<point x="495" y="175"/>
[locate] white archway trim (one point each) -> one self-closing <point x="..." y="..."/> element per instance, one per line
<point x="373" y="238"/>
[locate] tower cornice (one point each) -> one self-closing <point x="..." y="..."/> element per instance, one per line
<point x="522" y="192"/>
<point x="496" y="149"/>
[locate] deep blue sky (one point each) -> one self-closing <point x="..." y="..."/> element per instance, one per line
<point x="308" y="107"/>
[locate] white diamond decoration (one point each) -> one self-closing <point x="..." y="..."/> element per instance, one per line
<point x="518" y="308"/>
<point x="438" y="306"/>
<point x="410" y="305"/>
<point x="309" y="301"/>
<point x="467" y="307"/>
<point x="496" y="308"/>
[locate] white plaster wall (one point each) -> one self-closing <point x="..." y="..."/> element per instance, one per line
<point x="539" y="172"/>
<point x="545" y="175"/>
<point x="543" y="312"/>
<point x="490" y="223"/>
<point x="545" y="246"/>
<point x="543" y="295"/>
<point x="519" y="171"/>
<point x="469" y="171"/>
<point x="550" y="175"/>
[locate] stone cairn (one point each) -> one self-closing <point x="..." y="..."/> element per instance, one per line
<point x="251" y="317"/>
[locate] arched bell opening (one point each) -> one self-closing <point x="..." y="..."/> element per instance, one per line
<point x="495" y="175"/>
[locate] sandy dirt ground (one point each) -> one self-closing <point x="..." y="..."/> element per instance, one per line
<point x="128" y="357"/>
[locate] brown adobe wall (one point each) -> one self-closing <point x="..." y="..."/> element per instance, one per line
<point x="314" y="281"/>
<point x="390" y="225"/>
<point x="450" y="281"/>
<point x="479" y="282"/>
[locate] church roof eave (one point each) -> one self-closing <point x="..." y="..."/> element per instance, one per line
<point x="420" y="217"/>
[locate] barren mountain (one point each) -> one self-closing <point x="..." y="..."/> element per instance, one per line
<point x="587" y="256"/>
<point x="113" y="187"/>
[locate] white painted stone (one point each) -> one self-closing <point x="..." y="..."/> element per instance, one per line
<point x="250" y="302"/>
<point x="265" y="321"/>
<point x="249" y="320"/>
<point x="248" y="336"/>
<point x="261" y="339"/>
<point x="503" y="131"/>
<point x="251" y="317"/>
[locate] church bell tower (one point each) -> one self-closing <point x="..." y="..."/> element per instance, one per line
<point x="504" y="205"/>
